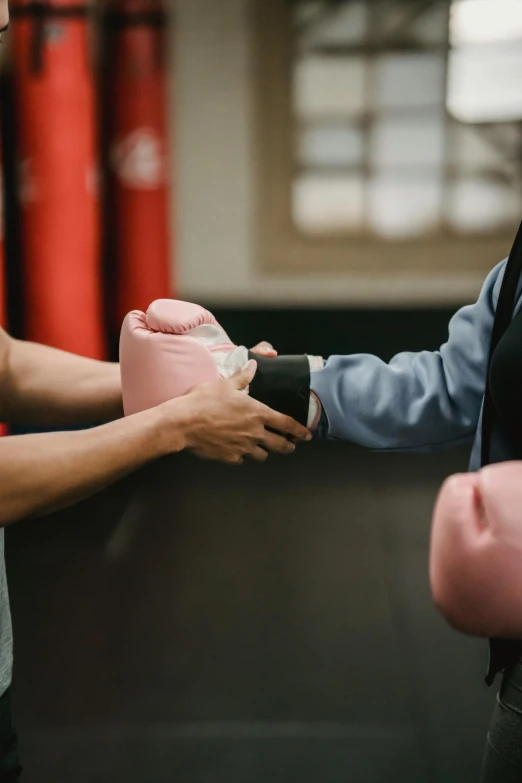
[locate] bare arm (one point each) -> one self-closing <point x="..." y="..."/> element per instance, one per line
<point x="43" y="472"/>
<point x="42" y="386"/>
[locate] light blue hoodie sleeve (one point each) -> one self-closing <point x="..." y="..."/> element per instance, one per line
<point x="419" y="402"/>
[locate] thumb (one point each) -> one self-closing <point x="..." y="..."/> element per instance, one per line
<point x="241" y="379"/>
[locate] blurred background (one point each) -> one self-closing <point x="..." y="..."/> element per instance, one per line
<point x="334" y="176"/>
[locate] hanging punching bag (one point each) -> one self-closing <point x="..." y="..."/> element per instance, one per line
<point x="136" y="130"/>
<point x="56" y="136"/>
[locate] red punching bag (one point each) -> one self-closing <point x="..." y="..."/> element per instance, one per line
<point x="56" y="135"/>
<point x="137" y="154"/>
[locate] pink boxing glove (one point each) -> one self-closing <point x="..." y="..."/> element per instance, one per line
<point x="476" y="552"/>
<point x="175" y="346"/>
<point x="171" y="348"/>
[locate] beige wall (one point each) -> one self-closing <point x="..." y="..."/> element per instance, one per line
<point x="212" y="112"/>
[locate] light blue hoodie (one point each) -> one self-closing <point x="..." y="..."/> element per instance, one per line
<point x="419" y="402"/>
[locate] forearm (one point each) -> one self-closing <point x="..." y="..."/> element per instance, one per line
<point x="401" y="406"/>
<point x="47" y="387"/>
<point x="43" y="472"/>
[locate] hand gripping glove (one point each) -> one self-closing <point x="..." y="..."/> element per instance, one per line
<point x="175" y="346"/>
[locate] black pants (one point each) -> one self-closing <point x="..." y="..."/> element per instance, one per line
<point x="10" y="768"/>
<point x="503" y="756"/>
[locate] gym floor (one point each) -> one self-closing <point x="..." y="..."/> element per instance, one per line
<point x="271" y="624"/>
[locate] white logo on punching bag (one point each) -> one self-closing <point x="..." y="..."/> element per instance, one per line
<point x="139" y="160"/>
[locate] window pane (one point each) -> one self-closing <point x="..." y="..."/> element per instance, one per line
<point x="481" y="205"/>
<point x="345" y="24"/>
<point x="403" y="208"/>
<point x="484" y="82"/>
<point x="328" y="203"/>
<point x="409" y="80"/>
<point x="475" y="21"/>
<point x="326" y="86"/>
<point x="330" y="145"/>
<point x="415" y="141"/>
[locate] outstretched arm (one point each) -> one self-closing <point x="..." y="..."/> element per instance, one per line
<point x="40" y="473"/>
<point x="419" y="401"/>
<point x="41" y="386"/>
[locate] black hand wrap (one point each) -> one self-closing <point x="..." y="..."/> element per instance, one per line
<point x="283" y="383"/>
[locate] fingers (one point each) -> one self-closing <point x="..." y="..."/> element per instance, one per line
<point x="286" y="426"/>
<point x="265" y="349"/>
<point x="241" y="379"/>
<point x="277" y="443"/>
<point x="259" y="454"/>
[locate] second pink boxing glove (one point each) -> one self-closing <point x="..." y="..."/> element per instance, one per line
<point x="476" y="552"/>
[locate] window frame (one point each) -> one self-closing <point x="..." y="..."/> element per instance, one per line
<point x="281" y="247"/>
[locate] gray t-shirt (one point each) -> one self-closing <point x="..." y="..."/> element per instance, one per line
<point x="6" y="632"/>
